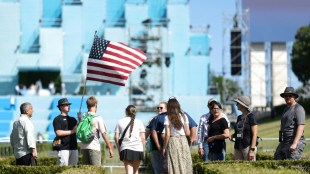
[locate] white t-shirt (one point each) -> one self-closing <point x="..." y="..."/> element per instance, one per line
<point x="134" y="142"/>
<point x="173" y="131"/>
<point x="98" y="126"/>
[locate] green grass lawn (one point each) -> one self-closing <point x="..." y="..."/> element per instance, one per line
<point x="269" y="128"/>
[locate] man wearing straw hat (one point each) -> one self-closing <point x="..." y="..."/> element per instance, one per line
<point x="291" y="134"/>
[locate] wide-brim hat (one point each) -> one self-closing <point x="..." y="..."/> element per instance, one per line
<point x="244" y="101"/>
<point x="289" y="90"/>
<point x="63" y="101"/>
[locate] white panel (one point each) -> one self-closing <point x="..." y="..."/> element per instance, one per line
<point x="51" y="41"/>
<point x="258" y="75"/>
<point x="279" y="71"/>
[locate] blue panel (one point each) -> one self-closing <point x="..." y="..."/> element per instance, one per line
<point x="199" y="75"/>
<point x="179" y="45"/>
<point x="93" y="16"/>
<point x="72" y="2"/>
<point x="72" y="26"/>
<point x="6" y="115"/>
<point x="199" y="44"/>
<point x="157" y="11"/>
<point x="9" y="0"/>
<point x="30" y="17"/>
<point x="115" y="12"/>
<point x="5" y="126"/>
<point x="5" y="104"/>
<point x="137" y="2"/>
<point x="51" y="13"/>
<point x="76" y="102"/>
<point x="185" y="2"/>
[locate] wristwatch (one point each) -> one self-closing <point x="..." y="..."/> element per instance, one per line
<point x="252" y="149"/>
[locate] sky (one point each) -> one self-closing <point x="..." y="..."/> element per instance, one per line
<point x="276" y="21"/>
<point x="204" y="12"/>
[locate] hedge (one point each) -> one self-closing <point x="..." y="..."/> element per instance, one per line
<point x="83" y="169"/>
<point x="44" y="161"/>
<point x="240" y="167"/>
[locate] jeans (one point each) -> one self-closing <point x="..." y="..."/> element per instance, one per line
<point x="156" y="161"/>
<point x="217" y="156"/>
<point x="206" y="151"/>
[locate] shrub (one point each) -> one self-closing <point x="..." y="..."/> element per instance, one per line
<point x="9" y="169"/>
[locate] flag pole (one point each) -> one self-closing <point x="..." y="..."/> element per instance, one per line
<point x="83" y="94"/>
<point x="85" y="83"/>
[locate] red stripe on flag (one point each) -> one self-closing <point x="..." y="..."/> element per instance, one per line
<point x="117" y="62"/>
<point x="108" y="67"/>
<point x="107" y="74"/>
<point x="121" y="56"/>
<point x="107" y="81"/>
<point x="126" y="51"/>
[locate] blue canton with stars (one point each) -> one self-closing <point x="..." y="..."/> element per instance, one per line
<point x="98" y="48"/>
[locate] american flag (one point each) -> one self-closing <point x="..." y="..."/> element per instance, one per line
<point x="112" y="62"/>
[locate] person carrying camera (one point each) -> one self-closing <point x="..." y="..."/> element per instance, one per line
<point x="245" y="135"/>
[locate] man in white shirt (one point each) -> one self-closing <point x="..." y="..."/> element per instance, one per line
<point x="92" y="151"/>
<point x="22" y="137"/>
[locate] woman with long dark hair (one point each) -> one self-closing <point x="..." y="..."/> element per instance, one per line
<point x="133" y="144"/>
<point x="177" y="128"/>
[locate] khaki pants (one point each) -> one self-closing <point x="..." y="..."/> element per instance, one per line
<point x="243" y="154"/>
<point x="91" y="157"/>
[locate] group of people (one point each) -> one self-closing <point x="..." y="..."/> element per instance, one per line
<point x="171" y="132"/>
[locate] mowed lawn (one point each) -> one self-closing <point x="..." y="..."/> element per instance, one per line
<point x="269" y="128"/>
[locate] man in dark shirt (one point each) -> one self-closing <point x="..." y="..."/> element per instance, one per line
<point x="156" y="154"/>
<point x="65" y="128"/>
<point x="291" y="135"/>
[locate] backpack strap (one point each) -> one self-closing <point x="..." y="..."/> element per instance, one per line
<point x="123" y="134"/>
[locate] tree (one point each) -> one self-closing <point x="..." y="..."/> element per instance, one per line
<point x="301" y="54"/>
<point x="228" y="90"/>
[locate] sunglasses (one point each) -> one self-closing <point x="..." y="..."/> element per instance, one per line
<point x="160" y="108"/>
<point x="288" y="96"/>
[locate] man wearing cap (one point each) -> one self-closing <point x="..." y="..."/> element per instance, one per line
<point x="202" y="133"/>
<point x="291" y="134"/>
<point x="65" y="128"/>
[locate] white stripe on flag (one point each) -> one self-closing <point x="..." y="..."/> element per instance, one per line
<point x="110" y="64"/>
<point x="119" y="59"/>
<point x="124" y="54"/>
<point x="129" y="49"/>
<point x="106" y="78"/>
<point x="95" y="68"/>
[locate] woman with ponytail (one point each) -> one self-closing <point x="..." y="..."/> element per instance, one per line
<point x="177" y="128"/>
<point x="132" y="147"/>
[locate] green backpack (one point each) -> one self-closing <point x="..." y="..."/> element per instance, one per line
<point x="84" y="130"/>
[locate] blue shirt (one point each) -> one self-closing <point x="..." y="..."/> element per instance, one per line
<point x="159" y="126"/>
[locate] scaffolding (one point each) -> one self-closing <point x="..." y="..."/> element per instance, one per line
<point x="238" y="21"/>
<point x="148" y="38"/>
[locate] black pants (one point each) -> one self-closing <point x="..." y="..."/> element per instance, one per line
<point x="26" y="160"/>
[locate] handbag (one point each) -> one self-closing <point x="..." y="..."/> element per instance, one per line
<point x="123" y="135"/>
<point x="56" y="143"/>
